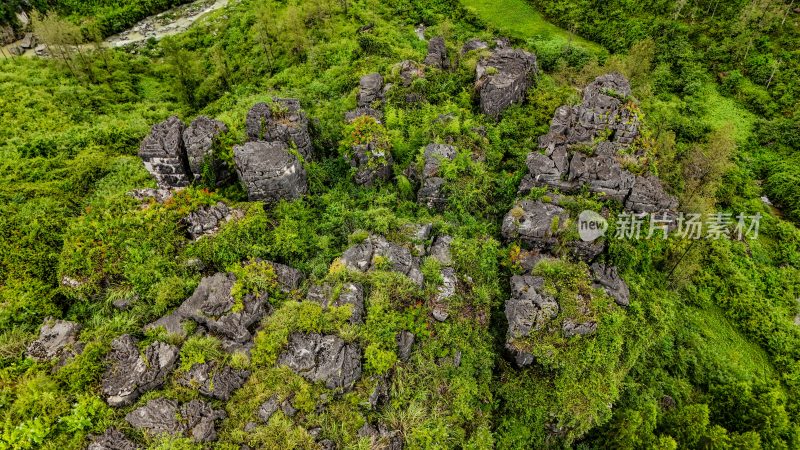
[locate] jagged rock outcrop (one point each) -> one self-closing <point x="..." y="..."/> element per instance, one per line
<point x="529" y="309"/>
<point x="370" y="89"/>
<point x="445" y="291"/>
<point x="648" y="195"/>
<point x="350" y="294"/>
<point x="194" y="419"/>
<point x="572" y="328"/>
<point x="132" y="373"/>
<point x="440" y="250"/>
<point x="608" y="278"/>
<point x="535" y="223"/>
<point x="288" y="278"/>
<point x="503" y="79"/>
<point x="373" y="163"/>
<point x="437" y="54"/>
<point x="472" y="45"/>
<point x="198" y="139"/>
<point x="212" y="305"/>
<point x="602" y="113"/>
<point x="323" y="358"/>
<point x="362" y="256"/>
<point x="430" y="193"/>
<point x="112" y="440"/>
<point x="405" y="343"/>
<point x="381" y="437"/>
<point x="164" y="155"/>
<point x="269" y="171"/>
<point x="58" y="339"/>
<point x="214" y="381"/>
<point x="409" y="71"/>
<point x="268" y="408"/>
<point x="282" y="121"/>
<point x="208" y="219"/>
<point x="352" y="115"/>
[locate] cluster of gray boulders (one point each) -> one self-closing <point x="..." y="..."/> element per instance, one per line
<point x="603" y="113"/>
<point x="539" y="225"/>
<point x="176" y="155"/>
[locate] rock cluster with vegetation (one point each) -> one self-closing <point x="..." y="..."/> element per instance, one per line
<point x="353" y="224"/>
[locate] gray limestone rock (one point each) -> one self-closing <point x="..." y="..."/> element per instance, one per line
<point x="504" y="78"/>
<point x="440" y="250"/>
<point x="535" y="223"/>
<point x="268" y="408"/>
<point x="199" y="138"/>
<point x="57" y="339"/>
<point x="164" y="155"/>
<point x="360" y="257"/>
<point x="529" y="308"/>
<point x="472" y="45"/>
<point x="370" y="89"/>
<point x="112" y="440"/>
<point x="270" y="172"/>
<point x="131" y="373"/>
<point x="349" y="294"/>
<point x="572" y="328"/>
<point x="282" y="121"/>
<point x="214" y="381"/>
<point x="434" y="155"/>
<point x="608" y="278"/>
<point x="323" y="358"/>
<point x="648" y="195"/>
<point x="431" y="194"/>
<point x="194" y="419"/>
<point x="208" y="219"/>
<point x="405" y="343"/>
<point x="372" y="162"/>
<point x="409" y="71"/>
<point x="437" y="54"/>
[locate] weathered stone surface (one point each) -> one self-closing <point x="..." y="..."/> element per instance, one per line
<point x="418" y="234"/>
<point x="381" y="437"/>
<point x="648" y="195"/>
<point x="473" y="44"/>
<point x="199" y="418"/>
<point x="409" y="71"/>
<point x="194" y="419"/>
<point x="158" y="416"/>
<point x="370" y="89"/>
<point x="131" y="374"/>
<point x="112" y="440"/>
<point x="535" y="223"/>
<point x="431" y="194"/>
<point x="208" y="219"/>
<point x="372" y="162"/>
<point x="323" y="358"/>
<point x="608" y="278"/>
<point x="405" y="343"/>
<point x="269" y="171"/>
<point x="268" y="408"/>
<point x="440" y="250"/>
<point x="434" y="155"/>
<point x="504" y="78"/>
<point x="288" y="278"/>
<point x="529" y="308"/>
<point x="350" y="116"/>
<point x="572" y="328"/>
<point x="380" y="393"/>
<point x="212" y="304"/>
<point x="214" y="381"/>
<point x="282" y="121"/>
<point x="164" y="155"/>
<point x="440" y="307"/>
<point x="57" y="339"/>
<point x="360" y="257"/>
<point x="198" y="138"/>
<point x="350" y="294"/>
<point x="437" y="54"/>
<point x="586" y="251"/>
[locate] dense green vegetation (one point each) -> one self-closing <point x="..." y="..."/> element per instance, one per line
<point x="707" y="356"/>
<point x="99" y="18"/>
